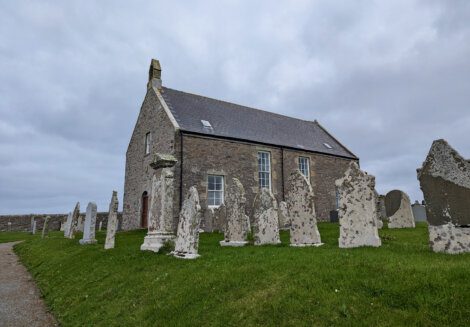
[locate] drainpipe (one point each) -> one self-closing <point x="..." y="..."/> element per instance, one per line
<point x="181" y="169"/>
<point x="282" y="175"/>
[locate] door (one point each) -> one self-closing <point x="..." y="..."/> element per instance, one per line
<point x="145" y="210"/>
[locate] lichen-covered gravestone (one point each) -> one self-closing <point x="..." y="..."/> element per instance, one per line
<point x="265" y="219"/>
<point x="70" y="233"/>
<point x="112" y="222"/>
<point x="381" y="212"/>
<point x="45" y="226"/>
<point x="237" y="222"/>
<point x="187" y="238"/>
<point x="90" y="225"/>
<point x="357" y="209"/>
<point x="445" y="182"/>
<point x="300" y="203"/>
<point x="398" y="208"/>
<point x="283" y="213"/>
<point x="66" y="225"/>
<point x="160" y="228"/>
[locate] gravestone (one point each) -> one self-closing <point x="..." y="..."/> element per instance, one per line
<point x="215" y="219"/>
<point x="45" y="226"/>
<point x="66" y="225"/>
<point x="265" y="219"/>
<point x="33" y="225"/>
<point x="237" y="222"/>
<point x="398" y="209"/>
<point x="300" y="203"/>
<point x="357" y="209"/>
<point x="187" y="238"/>
<point x="419" y="211"/>
<point x="445" y="182"/>
<point x="283" y="213"/>
<point x="100" y="226"/>
<point x="112" y="222"/>
<point x="73" y="222"/>
<point x="90" y="225"/>
<point x="381" y="212"/>
<point x="160" y="227"/>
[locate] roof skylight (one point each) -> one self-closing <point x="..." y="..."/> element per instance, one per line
<point x="327" y="146"/>
<point x="206" y="123"/>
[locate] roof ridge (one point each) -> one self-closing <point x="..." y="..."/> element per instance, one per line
<point x="240" y="105"/>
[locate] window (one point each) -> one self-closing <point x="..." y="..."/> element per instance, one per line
<point x="304" y="166"/>
<point x="215" y="190"/>
<point x="264" y="169"/>
<point x="327" y="146"/>
<point x="148" y="141"/>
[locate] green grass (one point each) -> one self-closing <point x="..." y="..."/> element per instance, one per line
<point x="6" y="237"/>
<point x="401" y="283"/>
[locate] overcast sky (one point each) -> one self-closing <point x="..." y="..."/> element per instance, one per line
<point x="385" y="77"/>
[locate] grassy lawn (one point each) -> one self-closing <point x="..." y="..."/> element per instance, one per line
<point x="401" y="283"/>
<point x="6" y="237"/>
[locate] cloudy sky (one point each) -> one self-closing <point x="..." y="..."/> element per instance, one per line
<point x="385" y="77"/>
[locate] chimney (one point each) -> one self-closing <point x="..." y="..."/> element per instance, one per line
<point x="155" y="75"/>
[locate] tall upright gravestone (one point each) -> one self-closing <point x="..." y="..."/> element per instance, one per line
<point x="160" y="227"/>
<point x="45" y="226"/>
<point x="445" y="181"/>
<point x="90" y="225"/>
<point x="112" y="222"/>
<point x="301" y="208"/>
<point x="398" y="208"/>
<point x="33" y="225"/>
<point x="265" y="219"/>
<point x="72" y="228"/>
<point x="187" y="238"/>
<point x="357" y="209"/>
<point x="237" y="222"/>
<point x="66" y="225"/>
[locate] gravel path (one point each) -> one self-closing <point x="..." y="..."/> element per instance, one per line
<point x="20" y="300"/>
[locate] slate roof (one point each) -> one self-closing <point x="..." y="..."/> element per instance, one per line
<point x="234" y="121"/>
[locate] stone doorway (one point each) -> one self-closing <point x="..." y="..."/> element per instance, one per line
<point x="145" y="210"/>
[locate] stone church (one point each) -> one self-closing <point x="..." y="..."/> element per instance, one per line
<point x="214" y="141"/>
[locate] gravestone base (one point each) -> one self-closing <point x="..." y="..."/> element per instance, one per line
<point x="181" y="255"/>
<point x="302" y="245"/>
<point x="449" y="238"/>
<point x="233" y="243"/>
<point x="155" y="241"/>
<point x="83" y="242"/>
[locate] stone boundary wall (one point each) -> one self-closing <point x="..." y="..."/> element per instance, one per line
<point x="22" y="223"/>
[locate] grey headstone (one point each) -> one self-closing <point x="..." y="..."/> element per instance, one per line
<point x="45" y="226"/>
<point x="90" y="225"/>
<point x="73" y="222"/>
<point x="265" y="219"/>
<point x="112" y="222"/>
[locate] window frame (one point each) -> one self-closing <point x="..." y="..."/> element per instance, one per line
<point x="147" y="143"/>
<point x="300" y="164"/>
<point x="262" y="172"/>
<point x="221" y="191"/>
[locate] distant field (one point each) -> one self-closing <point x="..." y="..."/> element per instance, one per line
<point x="400" y="284"/>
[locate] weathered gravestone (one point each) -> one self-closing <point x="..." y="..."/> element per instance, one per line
<point x="357" y="209"/>
<point x="160" y="228"/>
<point x="112" y="222"/>
<point x="445" y="182"/>
<point x="300" y="203"/>
<point x="72" y="228"/>
<point x="33" y="225"/>
<point x="65" y="227"/>
<point x="283" y="213"/>
<point x="187" y="238"/>
<point x="45" y="226"/>
<point x="237" y="222"/>
<point x="90" y="225"/>
<point x="398" y="208"/>
<point x="265" y="219"/>
<point x="419" y="211"/>
<point x="381" y="212"/>
<point x="215" y="219"/>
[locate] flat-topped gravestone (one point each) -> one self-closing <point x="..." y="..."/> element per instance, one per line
<point x="162" y="160"/>
<point x="300" y="203"/>
<point x="45" y="226"/>
<point x="160" y="227"/>
<point x="398" y="208"/>
<point x="73" y="222"/>
<point x="265" y="219"/>
<point x="445" y="182"/>
<point x="187" y="238"/>
<point x="237" y="222"/>
<point x="112" y="222"/>
<point x="357" y="209"/>
<point x="419" y="211"/>
<point x="90" y="225"/>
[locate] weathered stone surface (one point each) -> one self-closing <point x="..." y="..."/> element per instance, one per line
<point x="160" y="228"/>
<point x="161" y="160"/>
<point x="398" y="208"/>
<point x="33" y="225"/>
<point x="283" y="213"/>
<point x="381" y="212"/>
<point x="45" y="226"/>
<point x="90" y="225"/>
<point x="187" y="238"/>
<point x="445" y="182"/>
<point x="300" y="203"/>
<point x="419" y="211"/>
<point x="237" y="222"/>
<point x="65" y="227"/>
<point x="265" y="219"/>
<point x="357" y="209"/>
<point x="73" y="222"/>
<point x="215" y="219"/>
<point x="112" y="222"/>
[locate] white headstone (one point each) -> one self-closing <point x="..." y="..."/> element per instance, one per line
<point x="237" y="222"/>
<point x="300" y="203"/>
<point x="101" y="226"/>
<point x="357" y="209"/>
<point x="90" y="225"/>
<point x="112" y="222"/>
<point x="187" y="238"/>
<point x="265" y="219"/>
<point x="45" y="226"/>
<point x="65" y="227"/>
<point x="33" y="225"/>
